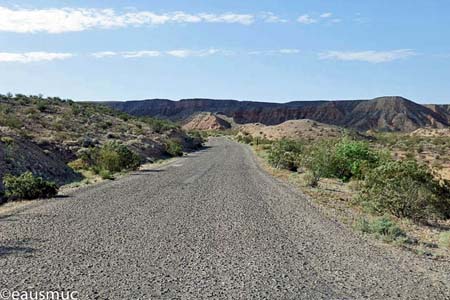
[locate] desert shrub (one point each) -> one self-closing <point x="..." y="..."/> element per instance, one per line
<point x="319" y="159"/>
<point x="405" y="189"/>
<point x="42" y="106"/>
<point x="113" y="157"/>
<point x="444" y="239"/>
<point x="383" y="228"/>
<point x="9" y="120"/>
<point x="158" y="125"/>
<point x="174" y="148"/>
<point x="78" y="164"/>
<point x="311" y="179"/>
<point x="27" y="187"/>
<point x="116" y="157"/>
<point x="105" y="174"/>
<point x="352" y="159"/>
<point x="244" y="138"/>
<point x="284" y="154"/>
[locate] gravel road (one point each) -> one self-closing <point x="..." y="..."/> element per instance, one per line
<point x="211" y="225"/>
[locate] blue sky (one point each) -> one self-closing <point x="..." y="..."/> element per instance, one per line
<point x="262" y="50"/>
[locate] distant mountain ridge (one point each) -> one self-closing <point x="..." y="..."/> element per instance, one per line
<point x="383" y="113"/>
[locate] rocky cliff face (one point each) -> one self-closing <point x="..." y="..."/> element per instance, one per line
<point x="384" y="113"/>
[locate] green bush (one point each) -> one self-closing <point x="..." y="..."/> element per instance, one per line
<point x="105" y="174"/>
<point x="405" y="189"/>
<point x="343" y="159"/>
<point x="284" y="154"/>
<point x="319" y="159"/>
<point x="113" y="157"/>
<point x="383" y="228"/>
<point x="158" y="125"/>
<point x="42" y="106"/>
<point x="352" y="159"/>
<point x="27" y="187"/>
<point x="174" y="148"/>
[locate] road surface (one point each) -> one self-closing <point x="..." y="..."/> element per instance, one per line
<point x="211" y="225"/>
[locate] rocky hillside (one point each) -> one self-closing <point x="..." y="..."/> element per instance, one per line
<point x="206" y="121"/>
<point x="43" y="134"/>
<point x="384" y="113"/>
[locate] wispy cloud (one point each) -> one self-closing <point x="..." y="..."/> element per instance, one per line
<point x="306" y="19"/>
<point x="181" y="53"/>
<point x="184" y="53"/>
<point x="270" y="17"/>
<point x="274" y="52"/>
<point x="138" y="54"/>
<point x="79" y="19"/>
<point x="324" y="18"/>
<point x="369" y="56"/>
<point x="104" y="54"/>
<point x="29" y="57"/>
<point x="326" y="15"/>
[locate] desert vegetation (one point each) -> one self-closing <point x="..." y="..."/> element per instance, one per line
<point x="27" y="187"/>
<point x="62" y="141"/>
<point x="391" y="197"/>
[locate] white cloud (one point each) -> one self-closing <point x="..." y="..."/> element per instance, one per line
<point x="228" y="18"/>
<point x="138" y="54"/>
<point x="79" y="19"/>
<point x="274" y="52"/>
<point x="306" y="19"/>
<point x="104" y="54"/>
<point x="270" y="17"/>
<point x="289" y="51"/>
<point x="326" y="15"/>
<point x="369" y="56"/>
<point x="29" y="57"/>
<point x="182" y="53"/>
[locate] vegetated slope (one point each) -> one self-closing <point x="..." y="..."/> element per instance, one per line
<point x="384" y="113"/>
<point x="206" y="121"/>
<point x="293" y="129"/>
<point x="43" y="134"/>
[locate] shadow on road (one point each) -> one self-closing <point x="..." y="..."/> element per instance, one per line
<point x="143" y="172"/>
<point x="5" y="250"/>
<point x="18" y="248"/>
<point x="7" y="218"/>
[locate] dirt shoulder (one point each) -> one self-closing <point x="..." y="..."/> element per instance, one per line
<point x="336" y="200"/>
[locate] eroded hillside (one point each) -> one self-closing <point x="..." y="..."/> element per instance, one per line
<point x="381" y="114"/>
<point x="42" y="135"/>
